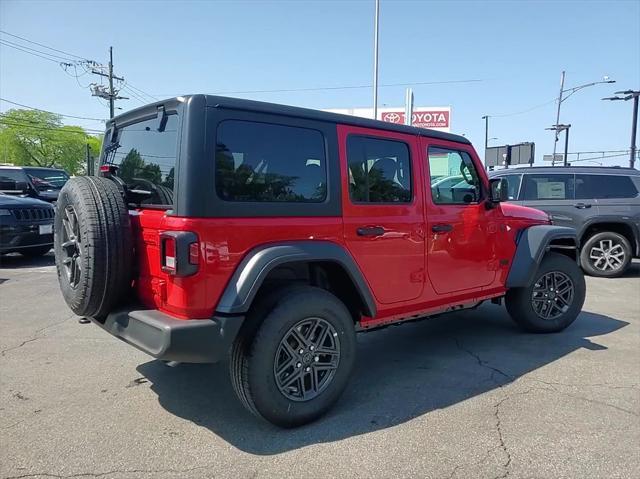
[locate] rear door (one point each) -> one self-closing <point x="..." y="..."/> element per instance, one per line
<point x="554" y="193"/>
<point x="462" y="231"/>
<point x="382" y="210"/>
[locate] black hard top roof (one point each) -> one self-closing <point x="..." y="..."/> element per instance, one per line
<point x="214" y="101"/>
<point x="611" y="170"/>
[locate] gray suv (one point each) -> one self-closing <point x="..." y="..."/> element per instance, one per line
<point x="601" y="203"/>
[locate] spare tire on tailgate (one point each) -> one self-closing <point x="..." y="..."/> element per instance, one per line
<point x="93" y="245"/>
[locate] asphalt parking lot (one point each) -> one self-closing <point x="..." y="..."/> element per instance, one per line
<point x="462" y="396"/>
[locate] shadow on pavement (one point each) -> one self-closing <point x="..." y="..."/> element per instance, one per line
<point x="402" y="372"/>
<point x="17" y="261"/>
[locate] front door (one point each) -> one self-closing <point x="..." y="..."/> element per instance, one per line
<point x="382" y="210"/>
<point x="462" y="232"/>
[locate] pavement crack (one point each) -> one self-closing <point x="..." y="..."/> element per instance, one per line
<point x="35" y="336"/>
<point x="481" y="362"/>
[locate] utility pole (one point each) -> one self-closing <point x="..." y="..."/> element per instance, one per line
<point x="375" y="61"/>
<point x="629" y="94"/>
<point x="89" y="161"/>
<point x="555" y="141"/>
<point x="111" y="94"/>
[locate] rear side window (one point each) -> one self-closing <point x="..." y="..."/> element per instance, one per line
<point x="604" y="186"/>
<point x="548" y="187"/>
<point x="453" y="176"/>
<point x="269" y="163"/>
<point x="379" y="170"/>
<point x="146" y="159"/>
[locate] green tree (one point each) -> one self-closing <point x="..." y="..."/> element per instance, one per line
<point x="37" y="138"/>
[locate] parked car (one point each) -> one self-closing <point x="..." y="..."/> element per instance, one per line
<point x="41" y="183"/>
<point x="601" y="203"/>
<point x="26" y="226"/>
<point x="270" y="235"/>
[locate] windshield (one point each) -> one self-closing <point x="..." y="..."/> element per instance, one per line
<point x="45" y="179"/>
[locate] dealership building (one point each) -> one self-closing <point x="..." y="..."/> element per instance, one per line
<point x="433" y="117"/>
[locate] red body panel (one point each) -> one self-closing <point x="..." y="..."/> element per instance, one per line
<point x="410" y="270"/>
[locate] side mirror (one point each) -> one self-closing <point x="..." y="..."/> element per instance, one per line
<point x="498" y="190"/>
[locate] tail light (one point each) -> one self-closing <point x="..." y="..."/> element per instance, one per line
<point x="179" y="253"/>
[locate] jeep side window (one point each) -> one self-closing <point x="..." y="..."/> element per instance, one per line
<point x="453" y="177"/>
<point x="269" y="163"/>
<point x="604" y="186"/>
<point x="548" y="187"/>
<point x="379" y="170"/>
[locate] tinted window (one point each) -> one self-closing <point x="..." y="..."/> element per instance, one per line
<point x="514" y="182"/>
<point x="146" y="158"/>
<point x="379" y="170"/>
<point x="45" y="179"/>
<point x="548" y="187"/>
<point x="273" y="163"/>
<point x="453" y="176"/>
<point x="604" y="186"/>
<point x="11" y="174"/>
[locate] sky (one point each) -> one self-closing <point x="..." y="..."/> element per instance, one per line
<point x="515" y="50"/>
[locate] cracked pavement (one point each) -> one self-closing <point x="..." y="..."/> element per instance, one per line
<point x="462" y="396"/>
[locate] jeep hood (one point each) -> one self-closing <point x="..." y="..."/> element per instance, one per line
<point x="517" y="212"/>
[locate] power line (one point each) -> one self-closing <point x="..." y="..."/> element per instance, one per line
<point x="2" y="42"/>
<point x="523" y="111"/>
<point x="45" y="46"/>
<point x="53" y="112"/>
<point x="346" y="87"/>
<point x="141" y="91"/>
<point x="13" y="44"/>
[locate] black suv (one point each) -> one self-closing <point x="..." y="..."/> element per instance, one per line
<point x="26" y="226"/>
<point x="601" y="203"/>
<point x="41" y="183"/>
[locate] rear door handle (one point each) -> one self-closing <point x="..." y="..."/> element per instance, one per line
<point x="582" y="206"/>
<point x="441" y="228"/>
<point x="370" y="231"/>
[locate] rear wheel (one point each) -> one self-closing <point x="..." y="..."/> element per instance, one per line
<point x="294" y="358"/>
<point x="553" y="301"/>
<point x="93" y="245"/>
<point x="606" y="254"/>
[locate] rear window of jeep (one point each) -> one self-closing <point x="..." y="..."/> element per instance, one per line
<point x="265" y="162"/>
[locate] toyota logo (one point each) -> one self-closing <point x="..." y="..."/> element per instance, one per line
<point x="392" y="117"/>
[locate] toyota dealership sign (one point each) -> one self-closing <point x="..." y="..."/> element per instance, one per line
<point x="435" y="118"/>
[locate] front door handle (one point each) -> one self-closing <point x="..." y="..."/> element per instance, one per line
<point x="441" y="228"/>
<point x="582" y="206"/>
<point x="370" y="231"/>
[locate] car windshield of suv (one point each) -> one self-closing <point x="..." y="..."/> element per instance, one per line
<point x="45" y="179"/>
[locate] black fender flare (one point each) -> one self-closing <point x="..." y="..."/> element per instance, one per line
<point x="533" y="243"/>
<point x="256" y="265"/>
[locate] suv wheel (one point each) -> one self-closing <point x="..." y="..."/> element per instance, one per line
<point x="606" y="254"/>
<point x="553" y="301"/>
<point x="294" y="358"/>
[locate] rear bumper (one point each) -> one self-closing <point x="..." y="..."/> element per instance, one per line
<point x="170" y="339"/>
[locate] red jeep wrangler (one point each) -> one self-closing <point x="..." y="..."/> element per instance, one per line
<point x="270" y="234"/>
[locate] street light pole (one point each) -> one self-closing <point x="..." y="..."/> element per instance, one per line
<point x="375" y="61"/>
<point x="629" y="94"/>
<point x="566" y="144"/>
<point x="562" y="98"/>
<point x="555" y="141"/>
<point x="486" y="131"/>
<point x="634" y="129"/>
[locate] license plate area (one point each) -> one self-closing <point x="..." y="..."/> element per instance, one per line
<point x="45" y="229"/>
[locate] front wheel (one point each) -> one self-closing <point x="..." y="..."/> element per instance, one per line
<point x="293" y="364"/>
<point x="553" y="301"/>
